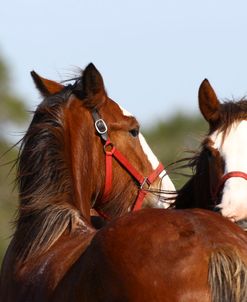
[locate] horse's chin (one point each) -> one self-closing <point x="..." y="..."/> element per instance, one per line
<point x="153" y="201"/>
<point x="242" y="223"/>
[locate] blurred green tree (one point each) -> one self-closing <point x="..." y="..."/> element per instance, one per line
<point x="174" y="139"/>
<point x="12" y="108"/>
<point x="12" y="113"/>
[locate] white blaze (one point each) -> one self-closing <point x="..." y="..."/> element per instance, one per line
<point x="147" y="150"/>
<point x="125" y="112"/>
<point x="234" y="152"/>
<point x="165" y="183"/>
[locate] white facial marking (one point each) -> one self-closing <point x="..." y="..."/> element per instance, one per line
<point x="125" y="112"/>
<point x="165" y="182"/>
<point x="147" y="150"/>
<point x="234" y="152"/>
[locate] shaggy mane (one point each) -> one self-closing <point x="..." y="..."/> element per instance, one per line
<point x="44" y="181"/>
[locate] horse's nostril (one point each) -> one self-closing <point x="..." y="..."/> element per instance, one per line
<point x="242" y="224"/>
<point x="217" y="209"/>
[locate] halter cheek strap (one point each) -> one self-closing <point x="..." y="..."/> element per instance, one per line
<point x="112" y="152"/>
<point x="143" y="182"/>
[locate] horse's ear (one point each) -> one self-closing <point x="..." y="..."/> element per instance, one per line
<point x="46" y="87"/>
<point x="92" y="88"/>
<point x="92" y="80"/>
<point x="208" y="102"/>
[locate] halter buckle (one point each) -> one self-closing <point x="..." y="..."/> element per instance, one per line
<point x="100" y="126"/>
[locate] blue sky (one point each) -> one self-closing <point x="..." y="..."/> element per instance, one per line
<point x="153" y="55"/>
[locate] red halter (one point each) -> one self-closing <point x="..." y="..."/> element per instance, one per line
<point x="225" y="178"/>
<point x="110" y="152"/>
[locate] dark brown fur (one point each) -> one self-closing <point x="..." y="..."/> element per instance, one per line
<point x="159" y="255"/>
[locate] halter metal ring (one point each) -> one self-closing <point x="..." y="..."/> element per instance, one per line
<point x="101" y="126"/>
<point x="145" y="182"/>
<point x="109" y="148"/>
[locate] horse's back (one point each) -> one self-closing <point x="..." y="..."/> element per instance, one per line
<point x="149" y="255"/>
<point x="152" y="255"/>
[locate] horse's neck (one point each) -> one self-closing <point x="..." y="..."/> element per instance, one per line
<point x="194" y="194"/>
<point x="56" y="180"/>
<point x="185" y="198"/>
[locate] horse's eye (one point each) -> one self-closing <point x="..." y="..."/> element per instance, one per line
<point x="134" y="132"/>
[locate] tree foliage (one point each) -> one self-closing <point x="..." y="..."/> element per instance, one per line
<point x="12" y="112"/>
<point x="174" y="139"/>
<point x="12" y="108"/>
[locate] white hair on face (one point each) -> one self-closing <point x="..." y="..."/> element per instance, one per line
<point x="234" y="152"/>
<point x="125" y="112"/>
<point x="165" y="182"/>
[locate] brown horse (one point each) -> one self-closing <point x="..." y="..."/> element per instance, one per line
<point x="150" y="255"/>
<point x="220" y="167"/>
<point x="82" y="151"/>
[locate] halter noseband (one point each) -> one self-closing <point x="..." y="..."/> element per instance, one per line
<point x="225" y="178"/>
<point x="110" y="152"/>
